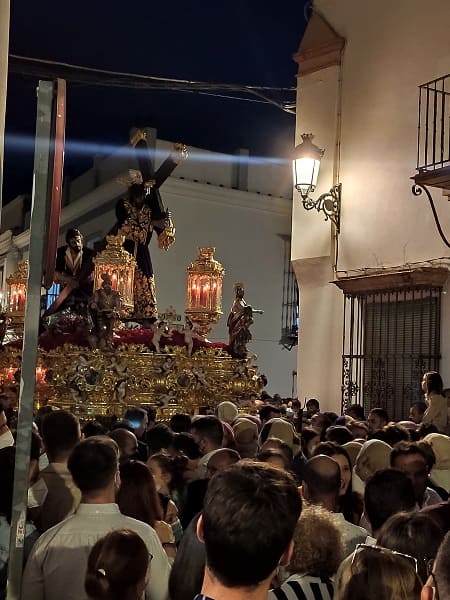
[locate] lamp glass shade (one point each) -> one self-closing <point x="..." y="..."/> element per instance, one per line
<point x="306" y="163"/>
<point x="306" y="172"/>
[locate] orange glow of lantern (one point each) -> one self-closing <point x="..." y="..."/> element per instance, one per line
<point x="204" y="290"/>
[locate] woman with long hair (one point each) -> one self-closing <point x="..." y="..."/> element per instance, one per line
<point x="413" y="533"/>
<point x="375" y="573"/>
<point x="118" y="567"/>
<point x="137" y="498"/>
<point x="437" y="404"/>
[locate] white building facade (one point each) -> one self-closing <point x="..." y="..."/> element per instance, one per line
<point x="374" y="308"/>
<point x="239" y="205"/>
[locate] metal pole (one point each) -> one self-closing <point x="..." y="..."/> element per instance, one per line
<point x="4" y="49"/>
<point x="30" y="338"/>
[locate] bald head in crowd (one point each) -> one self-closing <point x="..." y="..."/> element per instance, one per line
<point x="321" y="481"/>
<point x="127" y="442"/>
<point x="220" y="460"/>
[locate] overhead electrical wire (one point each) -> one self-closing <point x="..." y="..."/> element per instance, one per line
<point x="38" y="67"/>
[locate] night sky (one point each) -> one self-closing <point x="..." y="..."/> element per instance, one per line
<point x="237" y="41"/>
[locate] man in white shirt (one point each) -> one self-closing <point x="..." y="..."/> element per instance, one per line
<point x="57" y="565"/>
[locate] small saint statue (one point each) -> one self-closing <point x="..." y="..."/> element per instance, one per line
<point x="105" y="311"/>
<point x="239" y="321"/>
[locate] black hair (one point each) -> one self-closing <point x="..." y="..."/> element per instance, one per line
<point x="93" y="463"/>
<point x="209" y="427"/>
<point x="60" y="432"/>
<point x="387" y="492"/>
<point x="73" y="233"/>
<point x="239" y="552"/>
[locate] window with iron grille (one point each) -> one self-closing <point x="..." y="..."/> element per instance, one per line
<point x="290" y="305"/>
<point x="390" y="338"/>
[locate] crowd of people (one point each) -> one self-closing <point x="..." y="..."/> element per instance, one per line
<point x="272" y="505"/>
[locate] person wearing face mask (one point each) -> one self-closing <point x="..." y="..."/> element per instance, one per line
<point x="57" y="565"/>
<point x="208" y="434"/>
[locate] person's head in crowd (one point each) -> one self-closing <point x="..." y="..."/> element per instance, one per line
<point x="151" y="416"/>
<point x="432" y="383"/>
<point x="246" y="437"/>
<point x="340" y="455"/>
<point x="437" y="586"/>
<point x="338" y="434"/>
<point x="359" y="430"/>
<point x="159" y="438"/>
<point x="42" y="412"/>
<point x="322" y="482"/>
<point x="273" y="443"/>
<point x="332" y="416"/>
<point x="440" y="472"/>
<point x="208" y="433"/>
<point x="387" y="493"/>
<point x="127" y="442"/>
<point x="413" y="460"/>
<point x="312" y="407"/>
<point x="276" y="458"/>
<point x="180" y="423"/>
<point x="426" y="429"/>
<point x="413" y="533"/>
<point x="228" y="440"/>
<point x="227" y="411"/>
<point x="137" y="496"/>
<point x="93" y="428"/>
<point x="94" y="466"/>
<point x="278" y="428"/>
<point x="220" y="460"/>
<point x="60" y="434"/>
<point x="318" y="544"/>
<point x="374" y="573"/>
<point x="183" y="444"/>
<point x="320" y="423"/>
<point x="374" y="455"/>
<point x="356" y="412"/>
<point x="137" y="419"/>
<point x="240" y="554"/>
<point x="417" y="411"/>
<point x="267" y="412"/>
<point x="308" y="441"/>
<point x="377" y="419"/>
<point x="188" y="569"/>
<point x="353" y="449"/>
<point x="167" y="472"/>
<point x="391" y="434"/>
<point x="118" y="567"/>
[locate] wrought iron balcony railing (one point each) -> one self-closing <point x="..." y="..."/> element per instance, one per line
<point x="433" y="134"/>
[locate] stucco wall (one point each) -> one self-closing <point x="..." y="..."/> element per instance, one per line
<point x="392" y="47"/>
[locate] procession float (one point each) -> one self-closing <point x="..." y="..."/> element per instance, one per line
<point x="103" y="345"/>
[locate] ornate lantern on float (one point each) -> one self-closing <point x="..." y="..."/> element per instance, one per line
<point x="17" y="296"/>
<point x="119" y="265"/>
<point x="204" y="290"/>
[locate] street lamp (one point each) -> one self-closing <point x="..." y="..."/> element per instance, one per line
<point x="306" y="164"/>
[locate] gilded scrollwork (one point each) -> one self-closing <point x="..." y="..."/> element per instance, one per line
<point x="95" y="382"/>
